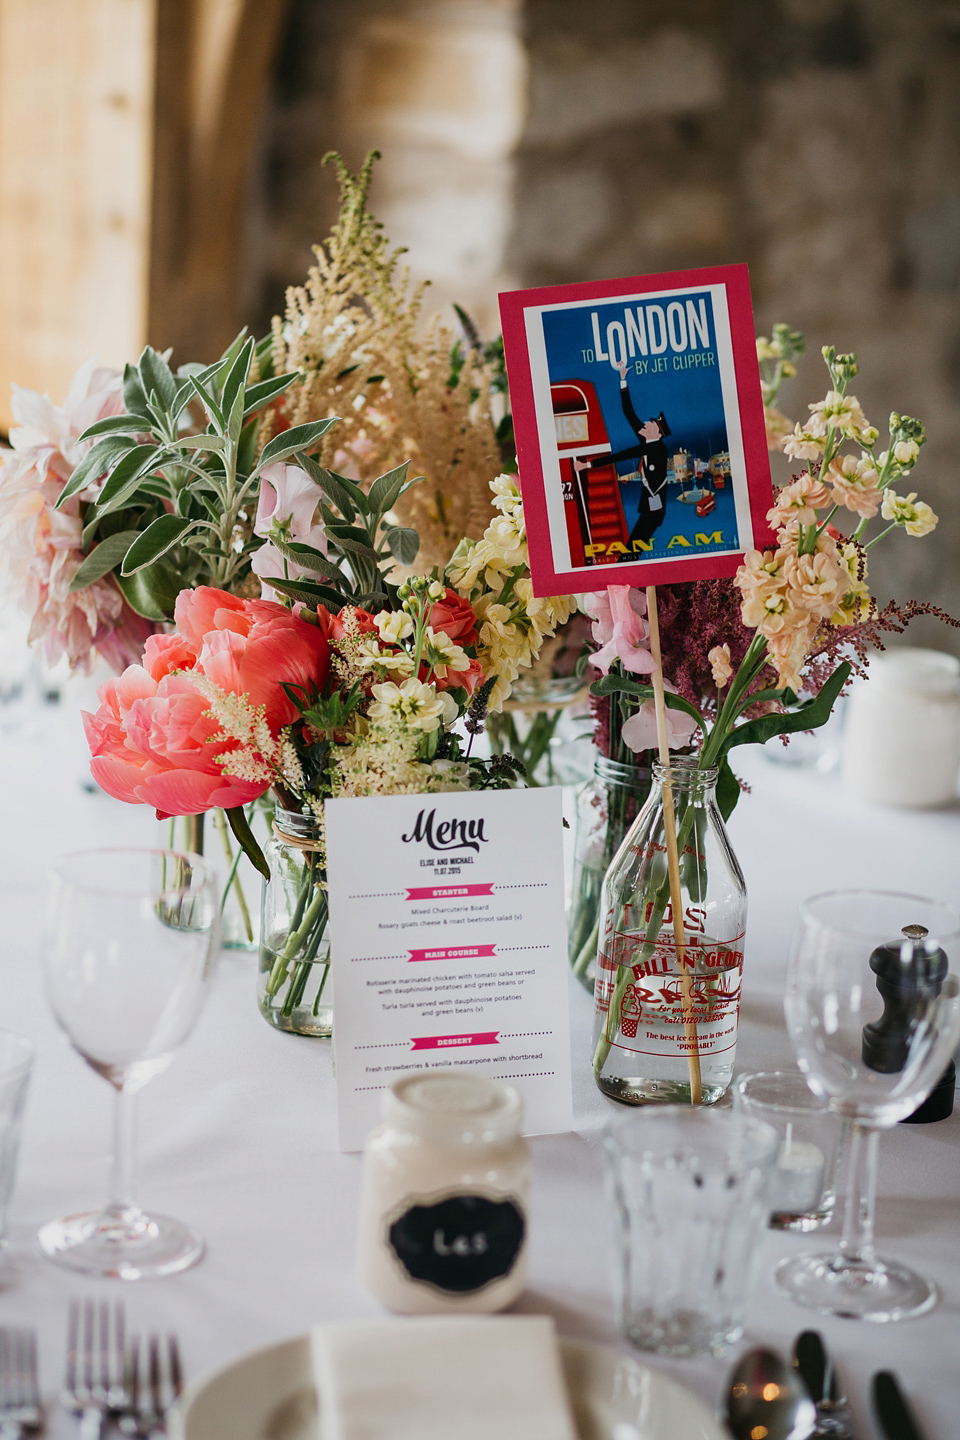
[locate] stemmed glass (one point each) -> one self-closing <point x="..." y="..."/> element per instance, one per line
<point x="129" y="947"/>
<point x="873" y="1010"/>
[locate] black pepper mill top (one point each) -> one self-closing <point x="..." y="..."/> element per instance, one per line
<point x="907" y="971"/>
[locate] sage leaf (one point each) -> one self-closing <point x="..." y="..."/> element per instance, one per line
<point x="300" y="437"/>
<point x="151" y="593"/>
<point x="103" y="558"/>
<point x="385" y="489"/>
<point x="156" y="540"/>
<point x="95" y="463"/>
<point x="404" y="544"/>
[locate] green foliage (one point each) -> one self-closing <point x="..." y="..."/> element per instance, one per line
<point x="182" y="466"/>
<point x="362" y="541"/>
<point x="808" y="715"/>
<point x="327" y="715"/>
<point x="796" y="716"/>
<point x="246" y="840"/>
<point x="103" y="558"/>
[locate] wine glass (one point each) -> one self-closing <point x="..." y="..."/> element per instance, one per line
<point x="130" y="943"/>
<point x="873" y="1011"/>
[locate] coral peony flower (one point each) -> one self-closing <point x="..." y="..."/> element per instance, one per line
<point x="252" y="648"/>
<point x="42" y="546"/>
<point x="154" y="740"/>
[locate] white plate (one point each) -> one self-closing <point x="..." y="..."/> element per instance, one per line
<point x="269" y="1395"/>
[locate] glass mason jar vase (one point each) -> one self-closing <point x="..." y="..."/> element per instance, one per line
<point x="239" y="910"/>
<point x="292" y="988"/>
<point x="607" y="806"/>
<point x="667" y="1011"/>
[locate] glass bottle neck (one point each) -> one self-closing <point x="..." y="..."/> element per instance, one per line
<point x="686" y="779"/>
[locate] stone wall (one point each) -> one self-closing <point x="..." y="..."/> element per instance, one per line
<point x="539" y="141"/>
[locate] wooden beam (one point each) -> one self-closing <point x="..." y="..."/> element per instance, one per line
<point x="126" y="129"/>
<point x="207" y="119"/>
<point x="76" y="97"/>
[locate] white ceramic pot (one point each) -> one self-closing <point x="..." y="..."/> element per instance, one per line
<point x="901" y="743"/>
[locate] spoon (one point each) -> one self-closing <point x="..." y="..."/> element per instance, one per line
<point x="767" y="1401"/>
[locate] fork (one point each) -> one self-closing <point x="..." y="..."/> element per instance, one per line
<point x="94" y="1381"/>
<point x="150" y="1396"/>
<point x="19" y="1390"/>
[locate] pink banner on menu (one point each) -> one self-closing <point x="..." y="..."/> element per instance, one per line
<point x="446" y="892"/>
<point x="455" y="952"/>
<point x="444" y="1042"/>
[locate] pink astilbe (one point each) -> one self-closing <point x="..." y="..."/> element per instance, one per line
<point x="42" y="547"/>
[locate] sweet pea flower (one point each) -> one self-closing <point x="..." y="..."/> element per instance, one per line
<point x="622" y="616"/>
<point x="640" y="731"/>
<point x="154" y="740"/>
<point x="287" y="507"/>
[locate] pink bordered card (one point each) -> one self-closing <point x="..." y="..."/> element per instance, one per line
<point x="641" y="442"/>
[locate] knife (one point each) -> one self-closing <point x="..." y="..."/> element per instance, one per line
<point x="892" y="1411"/>
<point x="817" y="1372"/>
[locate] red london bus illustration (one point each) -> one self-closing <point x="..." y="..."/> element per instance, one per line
<point x="596" y="528"/>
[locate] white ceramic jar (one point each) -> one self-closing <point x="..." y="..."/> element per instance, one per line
<point x="901" y="743"/>
<point x="443" y="1208"/>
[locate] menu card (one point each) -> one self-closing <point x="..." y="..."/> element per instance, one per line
<point x="449" y="947"/>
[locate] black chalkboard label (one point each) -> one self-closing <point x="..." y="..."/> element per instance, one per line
<point x="460" y="1244"/>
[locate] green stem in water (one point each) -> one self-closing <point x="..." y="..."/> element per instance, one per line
<point x="234" y="861"/>
<point x="316" y="914"/>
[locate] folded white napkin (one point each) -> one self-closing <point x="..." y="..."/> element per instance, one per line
<point x="451" y="1378"/>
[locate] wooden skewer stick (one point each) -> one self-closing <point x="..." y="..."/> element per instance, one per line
<point x="673" y="856"/>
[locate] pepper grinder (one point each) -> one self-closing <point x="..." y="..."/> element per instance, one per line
<point x="885" y="1044"/>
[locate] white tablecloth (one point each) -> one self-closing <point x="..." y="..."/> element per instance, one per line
<point x="238" y="1137"/>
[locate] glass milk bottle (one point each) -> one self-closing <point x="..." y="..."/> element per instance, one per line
<point x="665" y="1027"/>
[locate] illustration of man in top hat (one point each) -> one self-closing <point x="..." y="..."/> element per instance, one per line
<point x="651" y="453"/>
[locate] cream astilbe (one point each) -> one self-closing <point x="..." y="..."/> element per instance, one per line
<point x="493" y="574"/>
<point x="353" y="330"/>
<point x="258" y="755"/>
<point x="383" y="760"/>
